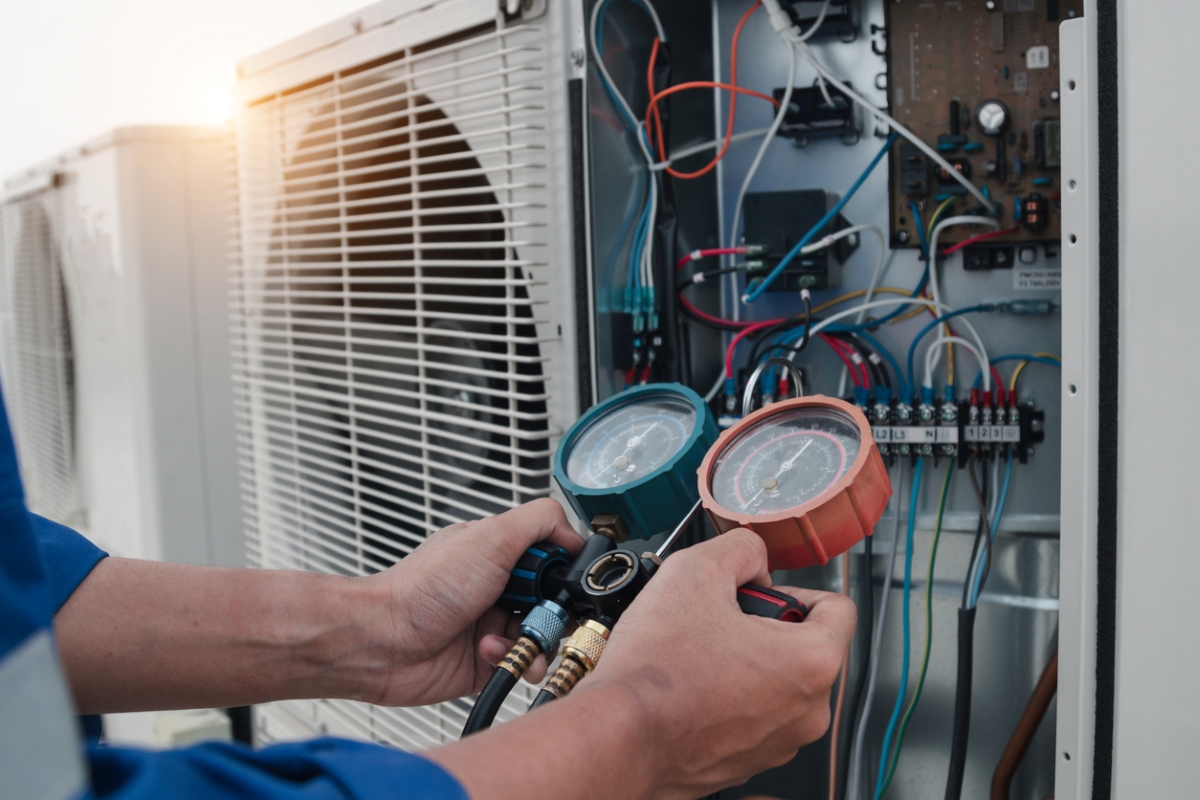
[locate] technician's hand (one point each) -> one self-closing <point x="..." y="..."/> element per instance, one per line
<point x="724" y="695"/>
<point x="447" y="630"/>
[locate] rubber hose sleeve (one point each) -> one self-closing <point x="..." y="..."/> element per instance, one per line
<point x="490" y="700"/>
<point x="542" y="698"/>
<point x="962" y="703"/>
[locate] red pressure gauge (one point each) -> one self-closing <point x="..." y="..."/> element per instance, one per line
<point x="803" y="474"/>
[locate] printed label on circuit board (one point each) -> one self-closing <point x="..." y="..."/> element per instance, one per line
<point x="1037" y="279"/>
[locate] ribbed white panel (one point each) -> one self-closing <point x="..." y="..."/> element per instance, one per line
<point x="392" y="232"/>
<point x="39" y="379"/>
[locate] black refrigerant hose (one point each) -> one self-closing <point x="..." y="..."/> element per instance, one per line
<point x="542" y="698"/>
<point x="490" y="700"/>
<point x="962" y="703"/>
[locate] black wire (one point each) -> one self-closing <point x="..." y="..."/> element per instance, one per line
<point x="878" y="376"/>
<point x="861" y="684"/>
<point x="985" y="527"/>
<point x="691" y="280"/>
<point x="724" y="326"/>
<point x="489" y="701"/>
<point x="962" y="703"/>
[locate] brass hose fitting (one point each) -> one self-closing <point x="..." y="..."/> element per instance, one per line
<point x="520" y="657"/>
<point x="580" y="655"/>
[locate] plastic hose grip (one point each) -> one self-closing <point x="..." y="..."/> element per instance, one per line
<point x="526" y="583"/>
<point x="545" y="624"/>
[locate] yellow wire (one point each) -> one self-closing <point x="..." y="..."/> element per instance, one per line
<point x="1012" y="382"/>
<point x="949" y="356"/>
<point x="828" y="304"/>
<point x="933" y="220"/>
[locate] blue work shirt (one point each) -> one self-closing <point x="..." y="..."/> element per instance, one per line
<point x="42" y="754"/>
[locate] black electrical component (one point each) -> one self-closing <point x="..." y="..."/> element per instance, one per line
<point x="947" y="181"/>
<point x="1047" y="144"/>
<point x="1035" y="212"/>
<point x="778" y="220"/>
<point x="841" y="18"/>
<point x="985" y="255"/>
<point x="1001" y="172"/>
<point x="810" y="114"/>
<point x="914" y="171"/>
<point x="955" y="120"/>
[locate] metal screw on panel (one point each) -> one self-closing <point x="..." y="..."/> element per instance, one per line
<point x="1029" y="451"/>
<point x="1035" y="425"/>
<point x="949" y="412"/>
<point x="577" y="56"/>
<point x="902" y="237"/>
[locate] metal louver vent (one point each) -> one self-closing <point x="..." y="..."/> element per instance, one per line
<point x="389" y="375"/>
<point x="40" y="387"/>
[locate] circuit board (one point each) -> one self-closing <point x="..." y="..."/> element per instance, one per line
<point x="979" y="82"/>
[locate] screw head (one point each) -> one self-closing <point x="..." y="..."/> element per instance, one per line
<point x="578" y="56"/>
<point x="902" y="237"/>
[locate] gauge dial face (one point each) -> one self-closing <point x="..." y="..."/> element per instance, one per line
<point x="630" y="441"/>
<point x="784" y="461"/>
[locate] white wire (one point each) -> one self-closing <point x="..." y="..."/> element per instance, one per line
<point x="935" y="288"/>
<point x="716" y="387"/>
<point x="762" y="151"/>
<point x="852" y="792"/>
<point x="917" y="301"/>
<point x="932" y="352"/>
<point x="737" y="138"/>
<point x="879" y="270"/>
<point x="782" y="24"/>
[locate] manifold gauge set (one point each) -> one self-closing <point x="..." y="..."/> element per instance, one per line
<point x="804" y="474"/>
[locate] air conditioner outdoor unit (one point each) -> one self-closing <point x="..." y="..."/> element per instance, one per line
<point x="115" y="357"/>
<point x="404" y="295"/>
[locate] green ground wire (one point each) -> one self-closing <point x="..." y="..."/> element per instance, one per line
<point x="937" y="533"/>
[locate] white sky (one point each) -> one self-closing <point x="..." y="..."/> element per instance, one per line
<point x="71" y="70"/>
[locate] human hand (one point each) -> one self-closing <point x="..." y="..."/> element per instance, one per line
<point x="440" y="600"/>
<point x="726" y="695"/>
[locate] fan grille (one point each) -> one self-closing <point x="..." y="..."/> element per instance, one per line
<point x="39" y="358"/>
<point x="388" y="371"/>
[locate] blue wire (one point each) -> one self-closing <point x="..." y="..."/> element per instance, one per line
<point x="916" y="212"/>
<point x="903" y="690"/>
<point x="879" y="348"/>
<point x="912" y="348"/>
<point x="1019" y="357"/>
<point x="978" y="582"/>
<point x="820" y="226"/>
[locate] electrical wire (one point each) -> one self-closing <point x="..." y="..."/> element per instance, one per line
<point x="758" y="157"/>
<point x="938" y="213"/>
<point x="931" y="355"/>
<point x="985" y="561"/>
<point x="839" y="349"/>
<point x="912" y="348"/>
<point x="905" y="616"/>
<point x="662" y="150"/>
<point x="1026" y="358"/>
<point x="756" y="292"/>
<point x="868" y="631"/>
<point x="954" y="248"/>
<point x="860" y="735"/>
<point x="937" y="534"/>
<point x="841" y="695"/>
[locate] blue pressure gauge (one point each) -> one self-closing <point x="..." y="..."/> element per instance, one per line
<point x="636" y="454"/>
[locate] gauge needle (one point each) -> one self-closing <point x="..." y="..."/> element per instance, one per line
<point x="620" y="460"/>
<point x="773" y="480"/>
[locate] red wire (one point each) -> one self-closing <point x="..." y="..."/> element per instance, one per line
<point x="737" y="32"/>
<point x="714" y="251"/>
<point x="683" y="301"/>
<point x="836" y="347"/>
<point x="996" y="376"/>
<point x="966" y="242"/>
<point x="742" y="334"/>
<point x="652" y="108"/>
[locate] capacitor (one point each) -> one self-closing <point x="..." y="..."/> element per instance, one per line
<point x="992" y="116"/>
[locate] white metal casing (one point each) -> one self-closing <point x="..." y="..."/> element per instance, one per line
<point x="128" y="232"/>
<point x="403" y="296"/>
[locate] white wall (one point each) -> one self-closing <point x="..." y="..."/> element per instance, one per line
<point x="1158" y="624"/>
<point x="74" y="69"/>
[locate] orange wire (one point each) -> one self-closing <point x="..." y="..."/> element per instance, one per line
<point x="662" y="150"/>
<point x="841" y="695"/>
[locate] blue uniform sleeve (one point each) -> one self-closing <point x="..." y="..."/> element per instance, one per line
<point x="67" y="557"/>
<point x="321" y="769"/>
